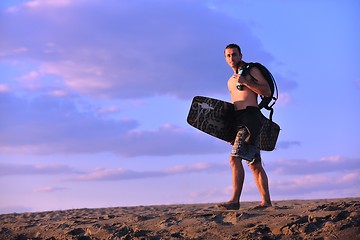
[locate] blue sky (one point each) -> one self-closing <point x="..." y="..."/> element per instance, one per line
<point x="95" y="94"/>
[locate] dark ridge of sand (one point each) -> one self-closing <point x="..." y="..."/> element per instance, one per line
<point x="295" y="219"/>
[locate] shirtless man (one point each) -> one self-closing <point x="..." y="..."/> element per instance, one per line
<point x="244" y="91"/>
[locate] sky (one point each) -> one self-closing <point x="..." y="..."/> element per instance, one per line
<point x="94" y="97"/>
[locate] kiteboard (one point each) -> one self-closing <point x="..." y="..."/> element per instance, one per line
<point x="213" y="117"/>
<point x="216" y="118"/>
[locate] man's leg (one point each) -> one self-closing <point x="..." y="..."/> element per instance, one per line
<point x="261" y="181"/>
<point x="238" y="175"/>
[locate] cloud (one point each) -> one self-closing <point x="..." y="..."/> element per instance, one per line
<point x="169" y="140"/>
<point x="131" y="49"/>
<point x="315" y="184"/>
<point x="334" y="159"/>
<point x="120" y="174"/>
<point x="284" y="99"/>
<point x="287" y="144"/>
<point x="349" y="178"/>
<point x="322" y="166"/>
<point x="108" y="110"/>
<point x="56" y="124"/>
<point x="47" y="124"/>
<point x="4" y="88"/>
<point x="357" y="83"/>
<point x="46" y="3"/>
<point x="7" y="169"/>
<point x="85" y="50"/>
<point x="306" y="182"/>
<point x="209" y="194"/>
<point x="15" y="209"/>
<point x="48" y="189"/>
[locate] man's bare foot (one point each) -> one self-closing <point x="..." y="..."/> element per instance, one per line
<point x="262" y="206"/>
<point x="229" y="206"/>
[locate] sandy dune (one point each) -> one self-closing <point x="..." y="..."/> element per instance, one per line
<point x="297" y="219"/>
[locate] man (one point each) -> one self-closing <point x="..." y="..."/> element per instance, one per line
<point x="244" y="90"/>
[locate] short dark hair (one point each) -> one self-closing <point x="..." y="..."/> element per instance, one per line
<point x="233" y="45"/>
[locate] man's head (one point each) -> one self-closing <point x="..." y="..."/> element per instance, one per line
<point x="233" y="45"/>
<point x="233" y="55"/>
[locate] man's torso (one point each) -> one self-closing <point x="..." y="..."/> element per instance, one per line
<point x="241" y="99"/>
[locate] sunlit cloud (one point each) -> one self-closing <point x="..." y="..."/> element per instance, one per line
<point x="15" y="209"/>
<point x="58" y="93"/>
<point x="48" y="189"/>
<point x="321" y="166"/>
<point x="4" y="88"/>
<point x="16" y="51"/>
<point x="108" y="109"/>
<point x="287" y="144"/>
<point x="334" y="159"/>
<point x="47" y="3"/>
<point x="307" y="185"/>
<point x="301" y="183"/>
<point x="215" y="194"/>
<point x="284" y="99"/>
<point x="31" y="80"/>
<point x="352" y="177"/>
<point x="106" y="174"/>
<point x="120" y="174"/>
<point x="7" y="169"/>
<point x="55" y="125"/>
<point x="105" y="66"/>
<point x="357" y="82"/>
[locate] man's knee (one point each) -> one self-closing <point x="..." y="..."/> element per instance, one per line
<point x="235" y="161"/>
<point x="256" y="166"/>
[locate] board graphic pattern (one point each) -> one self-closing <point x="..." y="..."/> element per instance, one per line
<point x="213" y="117"/>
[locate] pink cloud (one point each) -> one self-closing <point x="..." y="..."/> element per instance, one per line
<point x="314" y="185"/>
<point x="46" y="3"/>
<point x="297" y="186"/>
<point x="37" y="169"/>
<point x="197" y="167"/>
<point x="308" y="167"/>
<point x="332" y="159"/>
<point x="108" y="109"/>
<point x="47" y="189"/>
<point x="352" y="177"/>
<point x="58" y="93"/>
<point x="357" y="82"/>
<point x="284" y="99"/>
<point x="56" y="125"/>
<point x="106" y="65"/>
<point x="103" y="173"/>
<point x="4" y="88"/>
<point x="210" y="194"/>
<point x="120" y="174"/>
<point x="31" y="80"/>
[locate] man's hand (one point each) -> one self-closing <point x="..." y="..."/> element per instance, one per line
<point x="239" y="78"/>
<point x="240" y="81"/>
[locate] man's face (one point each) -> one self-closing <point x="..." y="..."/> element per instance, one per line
<point x="232" y="57"/>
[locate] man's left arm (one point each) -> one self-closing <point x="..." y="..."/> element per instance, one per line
<point x="257" y="83"/>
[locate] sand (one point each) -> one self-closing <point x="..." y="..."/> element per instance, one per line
<point x="296" y="219"/>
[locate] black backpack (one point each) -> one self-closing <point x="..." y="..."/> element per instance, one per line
<point x="271" y="130"/>
<point x="265" y="101"/>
